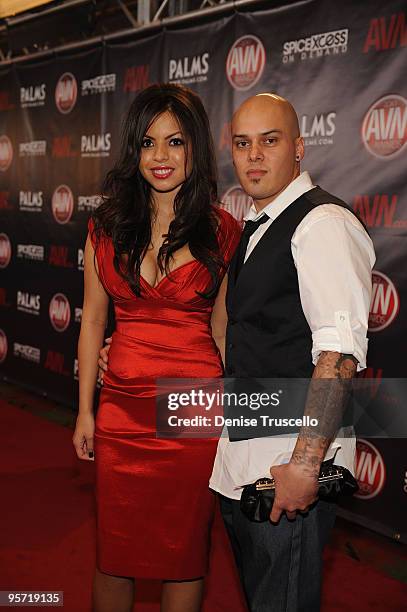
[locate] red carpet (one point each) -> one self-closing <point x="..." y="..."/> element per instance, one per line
<point x="47" y="532"/>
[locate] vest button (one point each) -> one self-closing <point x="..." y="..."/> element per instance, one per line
<point x="230" y="345"/>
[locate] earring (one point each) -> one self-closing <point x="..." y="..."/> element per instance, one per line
<point x="297" y="158"/>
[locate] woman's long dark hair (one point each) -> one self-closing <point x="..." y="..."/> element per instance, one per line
<point x="126" y="211"/>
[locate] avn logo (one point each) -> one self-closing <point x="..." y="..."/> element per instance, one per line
<point x="370" y="470"/>
<point x="245" y="62"/>
<point x="59" y="312"/>
<point x="378" y="210"/>
<point x="386" y="34"/>
<point x="385" y="303"/>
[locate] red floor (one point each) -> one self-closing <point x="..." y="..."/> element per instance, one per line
<point x="47" y="531"/>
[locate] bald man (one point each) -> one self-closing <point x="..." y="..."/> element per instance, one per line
<point x="298" y="299"/>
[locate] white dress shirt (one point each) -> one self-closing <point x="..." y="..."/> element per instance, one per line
<point x="334" y="257"/>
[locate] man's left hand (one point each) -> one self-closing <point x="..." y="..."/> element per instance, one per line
<point x="296" y="489"/>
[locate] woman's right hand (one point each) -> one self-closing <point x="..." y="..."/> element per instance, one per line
<point x="83" y="436"/>
<point x="104" y="359"/>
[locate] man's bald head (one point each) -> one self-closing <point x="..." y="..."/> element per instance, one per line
<point x="266" y="146"/>
<point x="273" y="103"/>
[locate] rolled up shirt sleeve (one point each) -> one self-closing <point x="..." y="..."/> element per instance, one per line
<point x="334" y="257"/>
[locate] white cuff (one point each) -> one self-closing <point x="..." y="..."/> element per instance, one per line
<point x="329" y="339"/>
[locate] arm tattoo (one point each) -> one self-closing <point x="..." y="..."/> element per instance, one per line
<point x="327" y="398"/>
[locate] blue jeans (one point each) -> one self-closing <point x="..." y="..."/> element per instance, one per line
<point x="280" y="565"/>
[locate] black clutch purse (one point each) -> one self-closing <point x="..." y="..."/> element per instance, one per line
<point x="257" y="498"/>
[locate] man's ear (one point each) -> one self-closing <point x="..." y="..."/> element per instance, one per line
<point x="299" y="148"/>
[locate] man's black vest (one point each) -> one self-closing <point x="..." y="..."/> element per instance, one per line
<point x="267" y="334"/>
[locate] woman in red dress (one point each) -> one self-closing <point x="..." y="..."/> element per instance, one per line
<point x="159" y="246"/>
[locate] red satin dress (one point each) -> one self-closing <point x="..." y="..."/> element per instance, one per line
<point x="154" y="507"/>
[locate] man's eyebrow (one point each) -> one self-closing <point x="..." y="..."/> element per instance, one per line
<point x="166" y="138"/>
<point x="261" y="134"/>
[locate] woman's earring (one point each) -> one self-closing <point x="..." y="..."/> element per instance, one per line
<point x="297" y="158"/>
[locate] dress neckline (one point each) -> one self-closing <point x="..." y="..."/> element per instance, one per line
<point x="166" y="277"/>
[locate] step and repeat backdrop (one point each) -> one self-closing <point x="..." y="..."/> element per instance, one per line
<point x="342" y="65"/>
